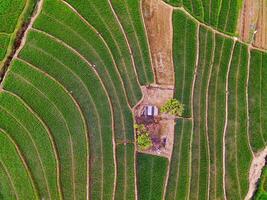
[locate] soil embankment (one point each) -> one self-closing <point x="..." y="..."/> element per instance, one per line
<point x="20" y="39"/>
<point x="158" y="21"/>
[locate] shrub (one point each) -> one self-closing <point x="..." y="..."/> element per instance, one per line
<point x="143" y="139"/>
<point x="173" y="107"/>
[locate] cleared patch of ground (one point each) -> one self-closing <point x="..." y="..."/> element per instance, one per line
<point x="158" y="22"/>
<point x="157" y="96"/>
<point x="253" y="23"/>
<point x="248" y="19"/>
<point x="261" y="35"/>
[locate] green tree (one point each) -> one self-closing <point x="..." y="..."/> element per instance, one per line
<point x="173" y="107"/>
<point x="143" y="139"/>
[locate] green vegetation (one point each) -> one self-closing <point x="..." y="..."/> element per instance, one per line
<point x="184" y="58"/>
<point x="151" y="176"/>
<point x="108" y="27"/>
<point x="4" y="41"/>
<point x="10" y="11"/>
<point x="257" y="100"/>
<point x="125" y="188"/>
<point x="143" y="139"/>
<point x="173" y="107"/>
<point x="178" y="181"/>
<point x="238" y="154"/>
<point x="14" y="14"/>
<point x="209" y="105"/>
<point x="89" y="49"/>
<point x="16" y="182"/>
<point x="130" y="16"/>
<point x="261" y="192"/>
<point x="217" y="108"/>
<point x="66" y="121"/>
<point x="77" y="107"/>
<point x="221" y="14"/>
<point x="229" y="14"/>
<point x="200" y="151"/>
<point x="34" y="141"/>
<point x="49" y="100"/>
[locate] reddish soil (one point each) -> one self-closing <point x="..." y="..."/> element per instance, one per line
<point x="158" y="21"/>
<point x="253" y="23"/>
<point x="261" y="35"/>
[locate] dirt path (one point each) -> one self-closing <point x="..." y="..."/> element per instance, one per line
<point x="158" y="22"/>
<point x="34" y="17"/>
<point x="21" y="39"/>
<point x="257" y="164"/>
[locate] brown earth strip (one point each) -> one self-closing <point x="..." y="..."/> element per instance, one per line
<point x="158" y="22"/>
<point x="253" y="23"/>
<point x="248" y="19"/>
<point x="261" y="35"/>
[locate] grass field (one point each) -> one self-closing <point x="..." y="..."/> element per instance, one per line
<point x="151" y="176"/>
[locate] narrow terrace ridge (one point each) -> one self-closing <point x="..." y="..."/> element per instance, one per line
<point x="21" y="39"/>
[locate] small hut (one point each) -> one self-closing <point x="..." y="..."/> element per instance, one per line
<point x="151" y="111"/>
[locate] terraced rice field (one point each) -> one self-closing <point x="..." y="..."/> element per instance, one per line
<point x="211" y="160"/>
<point x="66" y="100"/>
<point x="151" y="176"/>
<point x="220" y="14"/>
<point x="83" y="135"/>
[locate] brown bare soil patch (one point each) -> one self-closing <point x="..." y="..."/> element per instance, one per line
<point x="156" y="95"/>
<point x="248" y="19"/>
<point x="162" y="126"/>
<point x="261" y="35"/>
<point x="253" y="23"/>
<point x="158" y="22"/>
